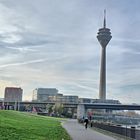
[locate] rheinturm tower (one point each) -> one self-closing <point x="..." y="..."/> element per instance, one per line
<point x="103" y="36"/>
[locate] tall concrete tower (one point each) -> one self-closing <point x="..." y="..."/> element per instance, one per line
<point x="103" y="36"/>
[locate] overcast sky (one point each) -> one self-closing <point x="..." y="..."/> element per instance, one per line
<point x="52" y="43"/>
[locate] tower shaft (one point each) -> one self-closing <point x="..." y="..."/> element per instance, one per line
<point x="102" y="86"/>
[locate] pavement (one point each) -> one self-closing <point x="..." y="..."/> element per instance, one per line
<point x="78" y="131"/>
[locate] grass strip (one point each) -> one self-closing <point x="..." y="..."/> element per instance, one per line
<point x="26" y="126"/>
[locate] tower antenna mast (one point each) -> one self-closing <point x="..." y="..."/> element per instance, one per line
<point x="104" y="19"/>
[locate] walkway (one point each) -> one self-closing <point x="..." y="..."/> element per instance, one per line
<point x="78" y="132"/>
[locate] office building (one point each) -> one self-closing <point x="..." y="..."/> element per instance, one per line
<point x="13" y="94"/>
<point x="69" y="99"/>
<point x="85" y="100"/>
<point x="44" y="94"/>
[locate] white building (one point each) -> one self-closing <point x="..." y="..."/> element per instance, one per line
<point x="44" y="94"/>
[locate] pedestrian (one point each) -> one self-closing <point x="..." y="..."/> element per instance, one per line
<point x="91" y="124"/>
<point x="86" y="122"/>
<point x="90" y="118"/>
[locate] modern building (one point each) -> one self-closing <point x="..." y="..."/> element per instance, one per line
<point x="103" y="36"/>
<point x="56" y="98"/>
<point x="69" y="99"/>
<point x="90" y="100"/>
<point x="85" y="100"/>
<point x="52" y="95"/>
<point x="1" y="99"/>
<point x="44" y="94"/>
<point x="107" y="101"/>
<point x="13" y="94"/>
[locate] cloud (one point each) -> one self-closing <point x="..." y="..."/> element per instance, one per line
<point x="22" y="63"/>
<point x="21" y="49"/>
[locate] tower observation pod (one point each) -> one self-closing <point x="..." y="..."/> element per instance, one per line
<point x="103" y="36"/>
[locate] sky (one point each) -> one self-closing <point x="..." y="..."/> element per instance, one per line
<point x="53" y="44"/>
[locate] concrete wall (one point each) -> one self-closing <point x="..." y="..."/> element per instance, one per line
<point x="81" y="111"/>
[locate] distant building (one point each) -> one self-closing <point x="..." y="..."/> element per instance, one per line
<point x="44" y="94"/>
<point x="108" y="101"/>
<point x="69" y="99"/>
<point x="85" y="100"/>
<point x="13" y="94"/>
<point x="1" y="99"/>
<point x="56" y="98"/>
<point x="90" y="100"/>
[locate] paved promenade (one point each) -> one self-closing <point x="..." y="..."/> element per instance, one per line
<point x="78" y="132"/>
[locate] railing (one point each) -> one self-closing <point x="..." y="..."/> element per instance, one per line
<point x="118" y="129"/>
<point x="137" y="134"/>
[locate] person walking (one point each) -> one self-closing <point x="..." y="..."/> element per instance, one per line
<point x="86" y="122"/>
<point x="90" y="117"/>
<point x="91" y="123"/>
